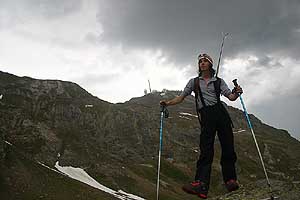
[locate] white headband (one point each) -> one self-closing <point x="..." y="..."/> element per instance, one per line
<point x="199" y="58"/>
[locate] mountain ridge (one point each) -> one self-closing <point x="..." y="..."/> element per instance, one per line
<point x="118" y="143"/>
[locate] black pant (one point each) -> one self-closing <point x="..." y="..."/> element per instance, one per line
<point x="216" y="119"/>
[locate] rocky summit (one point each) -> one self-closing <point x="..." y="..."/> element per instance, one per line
<point x="45" y="121"/>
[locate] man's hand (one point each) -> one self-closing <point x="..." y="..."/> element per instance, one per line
<point x="237" y="90"/>
<point x="163" y="103"/>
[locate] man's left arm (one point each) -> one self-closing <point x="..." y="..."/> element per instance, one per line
<point x="231" y="95"/>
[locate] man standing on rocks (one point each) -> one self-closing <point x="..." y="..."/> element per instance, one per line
<point x="213" y="118"/>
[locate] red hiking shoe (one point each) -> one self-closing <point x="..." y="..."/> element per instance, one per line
<point x="232" y="185"/>
<point x="196" y="187"/>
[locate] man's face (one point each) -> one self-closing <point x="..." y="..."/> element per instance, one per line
<point x="204" y="64"/>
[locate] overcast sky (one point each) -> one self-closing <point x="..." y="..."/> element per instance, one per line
<point x="112" y="47"/>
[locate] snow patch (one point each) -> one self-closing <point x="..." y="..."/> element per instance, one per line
<point x="89" y="106"/>
<point x="8" y="143"/>
<point x="147" y="165"/>
<point x="239" y="131"/>
<point x="128" y="196"/>
<point x="42" y="164"/>
<point x="183" y="117"/>
<point x="188" y="114"/>
<point x="80" y="175"/>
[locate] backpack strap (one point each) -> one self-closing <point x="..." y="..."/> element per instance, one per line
<point x="196" y="89"/>
<point x="217" y="85"/>
<point x="197" y="92"/>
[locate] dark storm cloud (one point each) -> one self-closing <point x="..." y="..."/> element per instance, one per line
<point x="182" y="29"/>
<point x="268" y="62"/>
<point x="13" y="12"/>
<point x="268" y="30"/>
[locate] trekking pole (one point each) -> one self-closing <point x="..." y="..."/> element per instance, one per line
<point x="221" y="52"/>
<point x="163" y="114"/>
<point x="257" y="147"/>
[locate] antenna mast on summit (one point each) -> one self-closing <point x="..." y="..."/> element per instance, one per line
<point x="149" y="86"/>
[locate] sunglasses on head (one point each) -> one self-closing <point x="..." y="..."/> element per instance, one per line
<point x="206" y="57"/>
<point x="202" y="56"/>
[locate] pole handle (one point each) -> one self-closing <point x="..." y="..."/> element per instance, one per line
<point x="235" y="82"/>
<point x="163" y="108"/>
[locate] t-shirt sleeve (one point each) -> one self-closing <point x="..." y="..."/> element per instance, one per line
<point x="188" y="88"/>
<point x="224" y="88"/>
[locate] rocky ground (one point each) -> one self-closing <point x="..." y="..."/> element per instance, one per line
<point x="261" y="191"/>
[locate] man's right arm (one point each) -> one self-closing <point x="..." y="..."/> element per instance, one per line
<point x="174" y="101"/>
<point x="187" y="91"/>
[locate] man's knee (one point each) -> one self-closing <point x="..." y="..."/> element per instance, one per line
<point x="228" y="157"/>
